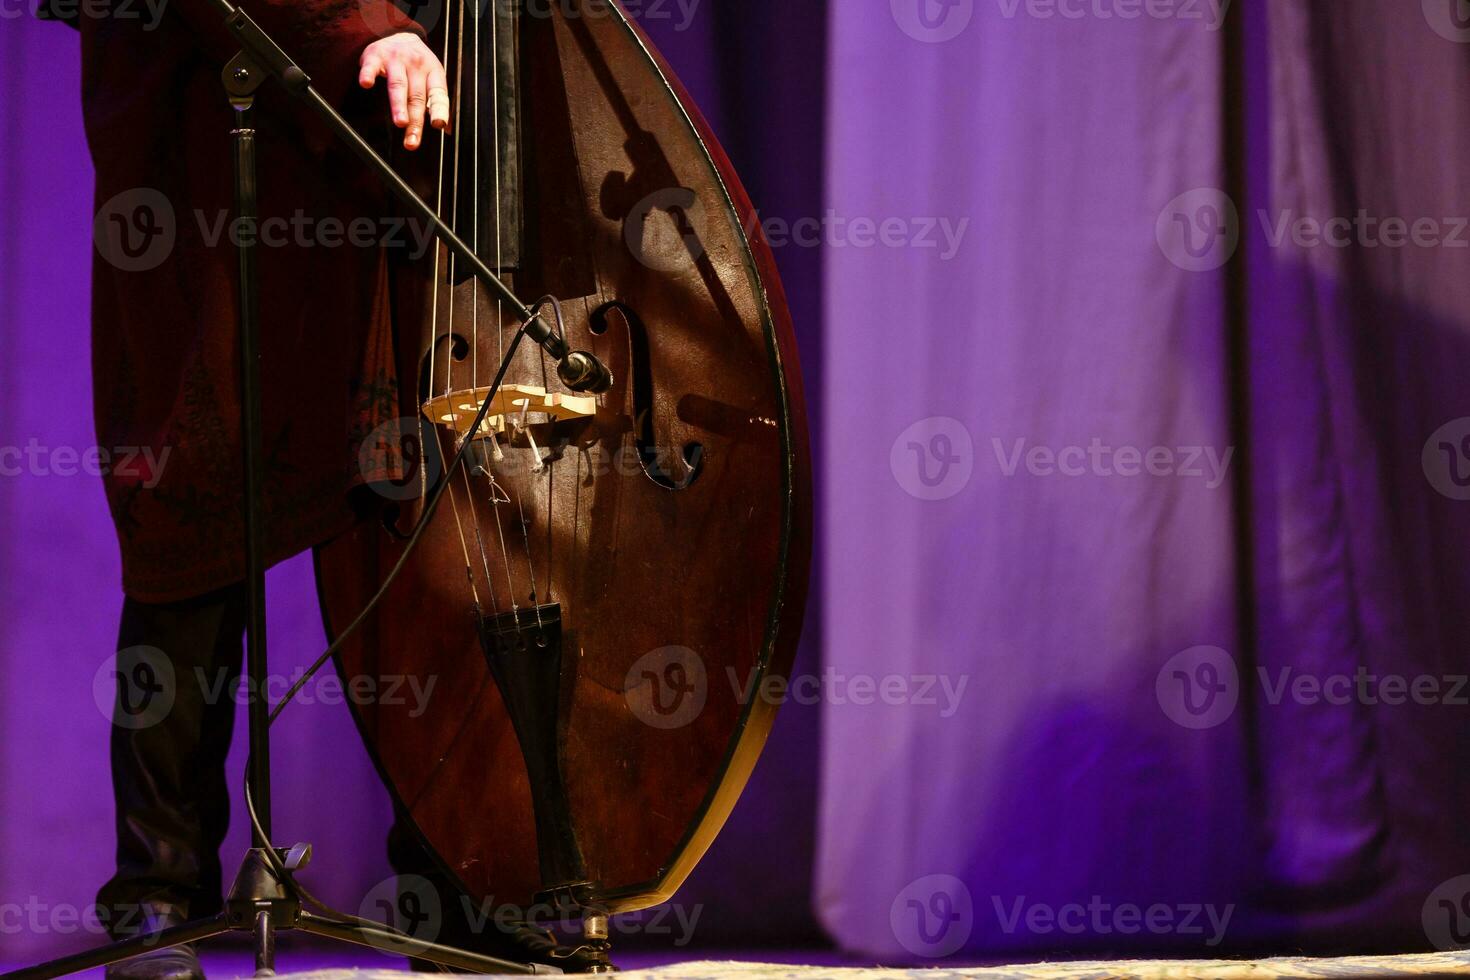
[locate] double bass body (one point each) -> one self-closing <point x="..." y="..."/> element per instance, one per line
<point x="611" y="577"/>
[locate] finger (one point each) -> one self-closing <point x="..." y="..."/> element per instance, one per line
<point x="398" y="93"/>
<point x="372" y="70"/>
<point x="438" y="99"/>
<point x="418" y="97"/>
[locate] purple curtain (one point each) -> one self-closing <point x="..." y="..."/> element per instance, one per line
<point x="1100" y="510"/>
<point x="1185" y="534"/>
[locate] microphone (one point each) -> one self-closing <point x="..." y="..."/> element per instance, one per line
<point x="582" y="371"/>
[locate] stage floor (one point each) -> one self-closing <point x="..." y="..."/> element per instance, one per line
<point x="311" y="964"/>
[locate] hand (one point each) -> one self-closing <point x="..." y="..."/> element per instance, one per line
<point x="416" y="83"/>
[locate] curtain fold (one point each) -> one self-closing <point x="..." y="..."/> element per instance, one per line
<point x="1155" y="481"/>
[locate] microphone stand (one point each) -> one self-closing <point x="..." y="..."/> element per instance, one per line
<point x="262" y="900"/>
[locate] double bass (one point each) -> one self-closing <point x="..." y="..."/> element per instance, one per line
<point x="614" y="577"/>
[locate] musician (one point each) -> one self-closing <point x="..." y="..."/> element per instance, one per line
<point x="164" y="344"/>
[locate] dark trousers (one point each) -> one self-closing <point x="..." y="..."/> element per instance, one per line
<point x="179" y="666"/>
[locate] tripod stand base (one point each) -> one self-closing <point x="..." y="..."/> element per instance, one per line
<point x="262" y="904"/>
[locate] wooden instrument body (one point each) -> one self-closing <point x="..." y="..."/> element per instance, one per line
<point x="671" y="528"/>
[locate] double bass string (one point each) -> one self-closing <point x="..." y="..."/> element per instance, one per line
<point x="449" y="325"/>
<point x="495" y="42"/>
<point x="495" y="490"/>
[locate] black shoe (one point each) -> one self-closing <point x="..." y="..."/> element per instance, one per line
<point x="150" y="916"/>
<point x="175" y="963"/>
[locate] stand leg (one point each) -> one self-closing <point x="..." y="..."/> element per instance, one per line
<point x="265" y="945"/>
<point x="390" y="942"/>
<point x="128" y="948"/>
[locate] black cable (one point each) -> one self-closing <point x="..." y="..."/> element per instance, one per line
<point x="283" y="873"/>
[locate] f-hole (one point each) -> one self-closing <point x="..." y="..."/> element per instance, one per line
<point x="657" y="461"/>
